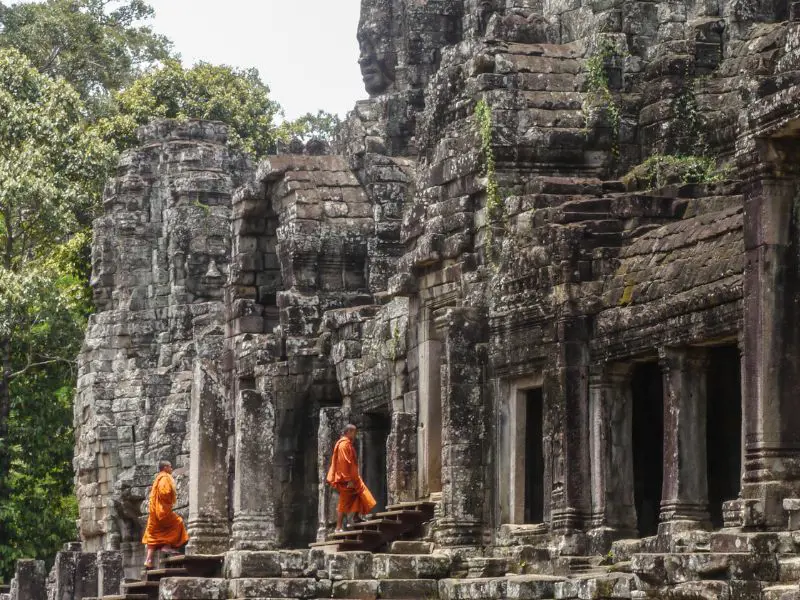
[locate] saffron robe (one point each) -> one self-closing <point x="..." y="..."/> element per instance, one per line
<point x="164" y="527"/>
<point x="344" y="469"/>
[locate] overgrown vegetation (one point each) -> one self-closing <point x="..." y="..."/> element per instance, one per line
<point x="76" y="79"/>
<point x="494" y="202"/>
<point x="598" y="97"/>
<point x="663" y="169"/>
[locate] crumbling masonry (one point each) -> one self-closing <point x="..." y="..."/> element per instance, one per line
<point x="595" y="379"/>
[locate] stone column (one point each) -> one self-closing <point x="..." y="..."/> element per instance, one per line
<point x="109" y="573"/>
<point x="772" y="346"/>
<point x="208" y="472"/>
<point x="253" y="489"/>
<point x="30" y="581"/>
<point x="568" y="385"/>
<point x="331" y="425"/>
<point x="465" y="450"/>
<point x="429" y="433"/>
<point x="611" y="446"/>
<point x="402" y="458"/>
<point x="684" y="499"/>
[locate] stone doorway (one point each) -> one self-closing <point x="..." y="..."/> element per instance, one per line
<point x="372" y="456"/>
<point x="723" y="429"/>
<point x="534" y="456"/>
<point x="647" y="389"/>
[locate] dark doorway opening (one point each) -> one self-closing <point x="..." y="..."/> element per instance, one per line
<point x="723" y="428"/>
<point x="534" y="456"/>
<point x="372" y="456"/>
<point x="648" y="445"/>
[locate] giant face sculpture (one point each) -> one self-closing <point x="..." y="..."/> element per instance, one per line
<point x="377" y="54"/>
<point x="485" y="9"/>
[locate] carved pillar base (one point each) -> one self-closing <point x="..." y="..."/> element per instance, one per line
<point x="253" y="531"/>
<point x="207" y="536"/>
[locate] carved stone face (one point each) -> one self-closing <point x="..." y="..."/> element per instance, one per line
<point x="485" y="10"/>
<point x="376" y="60"/>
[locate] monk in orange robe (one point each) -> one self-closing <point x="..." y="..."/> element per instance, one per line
<point x="165" y="529"/>
<point x="343" y="476"/>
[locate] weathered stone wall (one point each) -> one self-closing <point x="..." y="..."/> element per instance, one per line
<point x="161" y="257"/>
<point x="386" y="285"/>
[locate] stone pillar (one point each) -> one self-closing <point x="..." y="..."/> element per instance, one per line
<point x="109" y="573"/>
<point x="253" y="488"/>
<point x="569" y="387"/>
<point x="429" y="432"/>
<point x="611" y="446"/>
<point x="684" y="499"/>
<point x="86" y="577"/>
<point x="402" y="458"/>
<point x="331" y="425"/>
<point x="465" y="449"/>
<point x="772" y="347"/>
<point x="208" y="478"/>
<point x="63" y="575"/>
<point x="30" y="581"/>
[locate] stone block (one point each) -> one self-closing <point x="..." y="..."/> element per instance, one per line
<point x="408" y="588"/>
<point x="349" y="565"/>
<point x="29" y="581"/>
<point x="280" y="588"/>
<point x="243" y="563"/>
<point x="193" y="588"/>
<point x="109" y="572"/>
<point x="363" y="589"/>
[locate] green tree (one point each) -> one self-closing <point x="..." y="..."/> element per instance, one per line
<point x="98" y="46"/>
<point x="322" y="125"/>
<point x="52" y="169"/>
<point x="236" y="97"/>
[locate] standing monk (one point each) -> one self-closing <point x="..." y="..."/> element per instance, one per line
<point x="165" y="530"/>
<point x="354" y="497"/>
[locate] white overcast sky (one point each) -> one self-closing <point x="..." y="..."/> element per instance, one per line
<point x="305" y="50"/>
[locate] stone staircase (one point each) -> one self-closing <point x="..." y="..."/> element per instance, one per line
<point x="397" y="521"/>
<point x="181" y="566"/>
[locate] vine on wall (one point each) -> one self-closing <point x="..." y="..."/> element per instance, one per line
<point x="598" y="94"/>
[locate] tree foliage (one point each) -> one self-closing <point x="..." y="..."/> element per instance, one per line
<point x="236" y="97"/>
<point x="98" y="46"/>
<point x="322" y="125"/>
<point x="52" y="168"/>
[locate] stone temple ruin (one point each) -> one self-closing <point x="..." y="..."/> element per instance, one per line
<point x="591" y="381"/>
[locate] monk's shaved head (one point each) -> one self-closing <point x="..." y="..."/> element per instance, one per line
<point x="164" y="464"/>
<point x="349" y="430"/>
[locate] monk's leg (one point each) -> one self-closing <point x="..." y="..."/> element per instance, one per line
<point x="148" y="562"/>
<point x="339" y="521"/>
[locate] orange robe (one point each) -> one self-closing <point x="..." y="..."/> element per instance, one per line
<point x="164" y="527"/>
<point x="344" y="469"/>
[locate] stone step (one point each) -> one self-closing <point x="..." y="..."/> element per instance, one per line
<point x="671" y="569"/>
<point x="411" y="547"/>
<point x="158" y="574"/>
<point x="757" y="542"/>
<point x="197" y="565"/>
<point x="514" y="587"/>
<point x="277" y="587"/>
<point x="781" y="592"/>
<point x="789" y="569"/>
<point x="416" y="505"/>
<point x="388" y="588"/>
<point x="124" y="597"/>
<point x="411" y="566"/>
<point x="146" y="588"/>
<point x="604" y="586"/>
